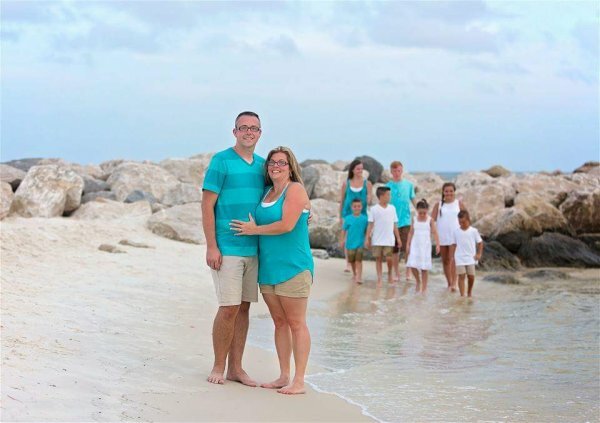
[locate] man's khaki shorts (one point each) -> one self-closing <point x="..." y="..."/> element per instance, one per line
<point x="355" y="255"/>
<point x="236" y="280"/>
<point x="468" y="269"/>
<point x="296" y="287"/>
<point x="382" y="251"/>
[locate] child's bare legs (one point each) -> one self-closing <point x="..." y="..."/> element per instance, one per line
<point x="348" y="265"/>
<point x="424" y="279"/>
<point x="353" y="265"/>
<point x="461" y="284"/>
<point x="379" y="269"/>
<point x="408" y="272"/>
<point x="415" y="272"/>
<point x="396" y="265"/>
<point x="391" y="278"/>
<point x="358" y="266"/>
<point x="449" y="267"/>
<point x="471" y="280"/>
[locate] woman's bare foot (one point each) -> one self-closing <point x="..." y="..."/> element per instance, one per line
<point x="280" y="382"/>
<point x="241" y="377"/>
<point x="293" y="388"/>
<point x="216" y="376"/>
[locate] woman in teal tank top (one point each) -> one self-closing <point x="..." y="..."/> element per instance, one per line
<point x="285" y="269"/>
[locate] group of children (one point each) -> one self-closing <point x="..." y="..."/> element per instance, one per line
<point x="378" y="231"/>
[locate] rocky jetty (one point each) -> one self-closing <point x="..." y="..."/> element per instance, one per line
<point x="526" y="220"/>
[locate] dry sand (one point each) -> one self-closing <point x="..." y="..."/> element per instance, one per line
<point x="89" y="335"/>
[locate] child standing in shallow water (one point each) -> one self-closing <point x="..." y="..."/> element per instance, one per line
<point x="467" y="248"/>
<point x="353" y="238"/>
<point x="419" y="245"/>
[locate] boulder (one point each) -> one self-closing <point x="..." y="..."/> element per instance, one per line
<point x="340" y="165"/>
<point x="554" y="189"/>
<point x="109" y="166"/>
<point x="324" y="228"/>
<point x="91" y="184"/>
<point x="105" y="209"/>
<point x="514" y="227"/>
<point x="310" y="162"/>
<point x="128" y="177"/>
<point x="6" y="198"/>
<point x="545" y="214"/>
<point x="180" y="223"/>
<point x="111" y="249"/>
<point x="183" y="193"/>
<point x="11" y="175"/>
<point x="427" y="182"/>
<point x="587" y="167"/>
<point x="310" y="177"/>
<point x="138" y="195"/>
<point x="320" y="254"/>
<point x="592" y="240"/>
<point x="109" y="195"/>
<point x="205" y="158"/>
<point x="471" y="179"/>
<point x="329" y="182"/>
<point x="186" y="170"/>
<point x="482" y="200"/>
<point x="48" y="191"/>
<point x="374" y="168"/>
<point x="497" y="257"/>
<point x="582" y="210"/>
<point x="557" y="250"/>
<point x="497" y="171"/>
<point x="503" y="278"/>
<point x="23" y="164"/>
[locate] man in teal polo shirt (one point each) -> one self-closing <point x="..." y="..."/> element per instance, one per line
<point x="403" y="193"/>
<point x="233" y="186"/>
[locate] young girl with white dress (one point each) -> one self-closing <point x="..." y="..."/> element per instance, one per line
<point x="418" y="247"/>
<point x="445" y="215"/>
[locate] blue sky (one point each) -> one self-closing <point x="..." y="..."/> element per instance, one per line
<point x="438" y="85"/>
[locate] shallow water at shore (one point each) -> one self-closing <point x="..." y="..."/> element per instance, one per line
<point x="525" y="352"/>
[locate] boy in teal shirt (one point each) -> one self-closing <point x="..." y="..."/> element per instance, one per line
<point x="353" y="238"/>
<point x="403" y="193"/>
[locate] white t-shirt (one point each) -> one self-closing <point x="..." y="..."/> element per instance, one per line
<point x="384" y="221"/>
<point x="466" y="246"/>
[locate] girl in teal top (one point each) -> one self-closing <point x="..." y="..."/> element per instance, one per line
<point x="285" y="263"/>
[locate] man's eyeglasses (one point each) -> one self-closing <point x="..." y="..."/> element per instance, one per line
<point x="244" y="128"/>
<point x="279" y="163"/>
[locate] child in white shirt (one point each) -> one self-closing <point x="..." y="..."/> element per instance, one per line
<point x="467" y="248"/>
<point x="382" y="232"/>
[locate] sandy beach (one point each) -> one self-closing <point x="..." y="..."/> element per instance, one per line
<point x="89" y="335"/>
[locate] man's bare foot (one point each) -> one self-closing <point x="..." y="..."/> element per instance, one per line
<point x="280" y="382"/>
<point x="216" y="376"/>
<point x="241" y="377"/>
<point x="293" y="388"/>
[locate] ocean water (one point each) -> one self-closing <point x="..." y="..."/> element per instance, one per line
<point x="527" y="352"/>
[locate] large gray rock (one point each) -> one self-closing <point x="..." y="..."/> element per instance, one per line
<point x="91" y="184"/>
<point x="310" y="177"/>
<point x="180" y="223"/>
<point x="557" y="250"/>
<point x="6" y="198"/>
<point x="190" y="171"/>
<point x="310" y="162"/>
<point x="497" y="171"/>
<point x="496" y="257"/>
<point x="105" y="209"/>
<point x="582" y="210"/>
<point x="109" y="195"/>
<point x="11" y="175"/>
<point x="340" y="164"/>
<point x="139" y="195"/>
<point x="592" y="240"/>
<point x="513" y="228"/>
<point x="109" y="166"/>
<point x="324" y="228"/>
<point x="545" y="214"/>
<point x="503" y="278"/>
<point x="183" y="194"/>
<point x="150" y="178"/>
<point x="23" y="164"/>
<point x="48" y="191"/>
<point x="482" y="200"/>
<point x="374" y="168"/>
<point x="587" y="167"/>
<point x="329" y="183"/>
<point x="553" y="189"/>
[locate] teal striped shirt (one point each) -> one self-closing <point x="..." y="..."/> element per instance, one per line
<point x="239" y="186"/>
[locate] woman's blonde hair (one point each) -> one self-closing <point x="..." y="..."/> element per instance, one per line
<point x="295" y="172"/>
